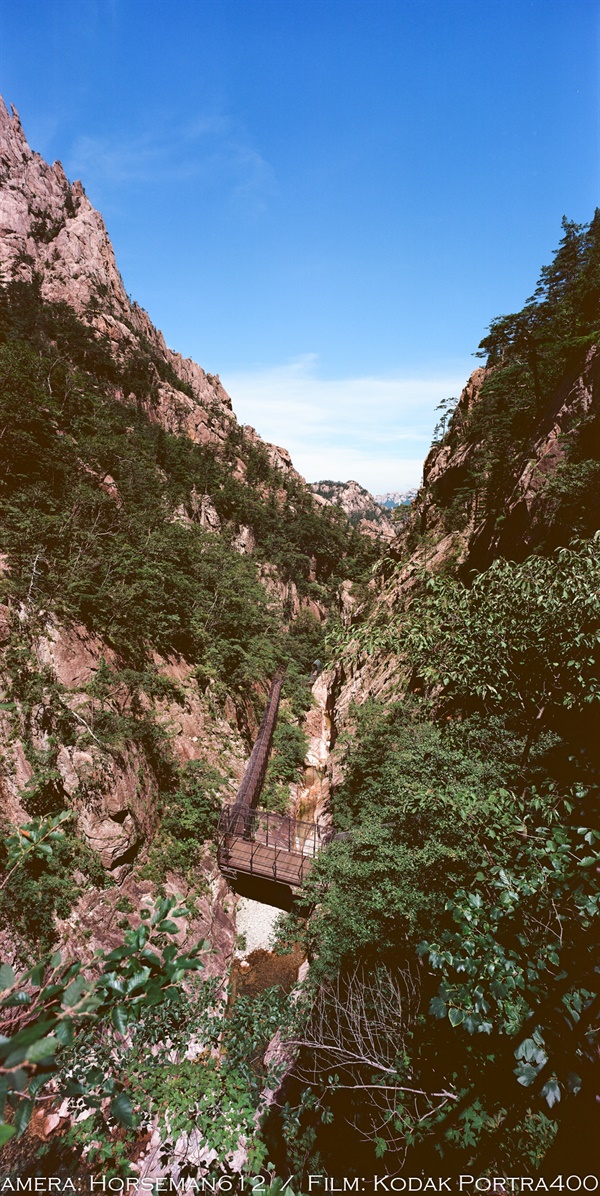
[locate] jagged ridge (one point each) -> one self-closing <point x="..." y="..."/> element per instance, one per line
<point x="50" y="230"/>
<point x="363" y="511"/>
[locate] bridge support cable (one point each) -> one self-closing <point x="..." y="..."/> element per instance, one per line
<point x="254" y="777"/>
<point x="260" y="843"/>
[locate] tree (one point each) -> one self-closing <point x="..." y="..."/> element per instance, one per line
<point x="522" y="639"/>
<point x="42" y="1010"/>
<point x="353" y="1035"/>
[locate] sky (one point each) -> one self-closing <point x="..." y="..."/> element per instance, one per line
<point x="325" y="202"/>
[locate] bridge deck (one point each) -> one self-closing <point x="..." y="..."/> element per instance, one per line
<point x="272" y="846"/>
<point x="272" y="863"/>
<point x="263" y="843"/>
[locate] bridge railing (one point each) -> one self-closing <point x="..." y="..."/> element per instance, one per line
<point x="281" y="832"/>
<point x="254" y="775"/>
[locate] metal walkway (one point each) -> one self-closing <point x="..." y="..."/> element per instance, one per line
<point x="256" y="843"/>
<point x="272" y="846"/>
<point x="253" y="779"/>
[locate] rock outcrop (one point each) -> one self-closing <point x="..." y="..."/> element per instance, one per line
<point x="527" y="514"/>
<point x="50" y="230"/>
<point x="113" y="791"/>
<point x="361" y="508"/>
<point x="523" y="516"/>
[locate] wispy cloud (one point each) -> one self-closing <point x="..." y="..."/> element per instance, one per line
<point x="376" y="430"/>
<point x="209" y="147"/>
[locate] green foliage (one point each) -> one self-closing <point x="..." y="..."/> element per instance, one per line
<point x="285" y="765"/>
<point x="32" y="840"/>
<point x="522" y="639"/>
<point x="100" y="523"/>
<point x="188" y="817"/>
<point x="38" y="862"/>
<point x="416" y="808"/>
<point x="471" y="813"/>
<point x="470" y="833"/>
<point x="42" y="1011"/>
<point x="210" y="1099"/>
<point x="505" y="946"/>
<point x="503" y="885"/>
<point x="304" y="646"/>
<point x="570" y="494"/>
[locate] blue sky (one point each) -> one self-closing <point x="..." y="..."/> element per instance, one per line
<point x="323" y="201"/>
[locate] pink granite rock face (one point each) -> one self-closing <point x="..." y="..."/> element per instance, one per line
<point x="49" y="229"/>
<point x="525" y="510"/>
<point x="360" y="507"/>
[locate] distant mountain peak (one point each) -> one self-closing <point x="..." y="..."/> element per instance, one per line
<point x="362" y="509"/>
<point x="396" y="498"/>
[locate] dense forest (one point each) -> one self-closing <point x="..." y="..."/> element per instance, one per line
<point x="449" y="1013"/>
<point x="466" y="889"/>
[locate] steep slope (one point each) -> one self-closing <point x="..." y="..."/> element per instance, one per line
<point x="159" y="562"/>
<point x="516" y="465"/>
<point x="362" y="509"/>
<point x="538" y="507"/>
<point x="49" y="230"/>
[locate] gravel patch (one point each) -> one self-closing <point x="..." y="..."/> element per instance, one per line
<point x="256" y="922"/>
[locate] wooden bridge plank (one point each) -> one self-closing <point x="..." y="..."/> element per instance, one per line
<point x="273" y="846"/>
<point x="256" y="859"/>
<point x="254" y="775"/>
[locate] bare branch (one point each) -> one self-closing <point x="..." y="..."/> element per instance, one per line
<point x="354" y="1028"/>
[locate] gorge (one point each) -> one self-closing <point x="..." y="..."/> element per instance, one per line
<point x="435" y="984"/>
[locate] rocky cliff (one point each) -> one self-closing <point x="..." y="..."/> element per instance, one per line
<point x="49" y="230"/>
<point x="158" y="562"/>
<point x="528" y="513"/>
<point x="363" y="511"/>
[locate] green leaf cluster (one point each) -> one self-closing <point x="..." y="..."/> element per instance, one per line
<point x="470" y="840"/>
<point x="188" y="817"/>
<point x="43" y="1010"/>
<point x="194" y="1067"/>
<point x="285" y="764"/>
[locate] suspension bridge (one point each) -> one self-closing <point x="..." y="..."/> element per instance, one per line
<point x="262" y="843"/>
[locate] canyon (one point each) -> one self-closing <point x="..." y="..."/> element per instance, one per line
<point x="160" y="562"/>
<point x="55" y="251"/>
